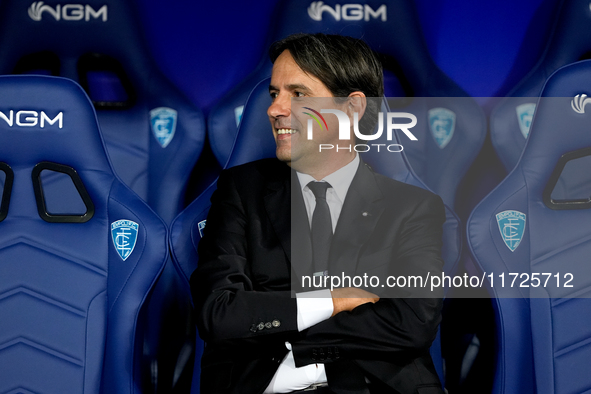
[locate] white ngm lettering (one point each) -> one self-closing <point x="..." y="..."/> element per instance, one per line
<point x="58" y="118"/>
<point x="73" y="12"/>
<point x="8" y="119"/>
<point x="67" y="12"/>
<point x="352" y="12"/>
<point x="95" y="14"/>
<point x="347" y="12"/>
<point x="31" y="119"/>
<point x="37" y="9"/>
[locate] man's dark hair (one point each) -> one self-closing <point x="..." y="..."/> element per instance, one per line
<point x="344" y="64"/>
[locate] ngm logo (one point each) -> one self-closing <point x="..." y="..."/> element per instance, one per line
<point x="67" y="12"/>
<point x="345" y="129"/>
<point x="24" y="118"/>
<point x="347" y="12"/>
<point x="579" y="102"/>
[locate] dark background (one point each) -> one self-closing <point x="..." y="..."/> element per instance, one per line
<point x="206" y="47"/>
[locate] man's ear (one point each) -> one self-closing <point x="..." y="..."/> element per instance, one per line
<point x="356" y="103"/>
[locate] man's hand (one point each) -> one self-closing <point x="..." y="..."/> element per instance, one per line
<point x="348" y="298"/>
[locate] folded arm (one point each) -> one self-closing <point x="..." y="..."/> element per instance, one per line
<point x="226" y="299"/>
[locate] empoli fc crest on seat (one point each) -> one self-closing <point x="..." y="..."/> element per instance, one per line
<point x="442" y="123"/>
<point x="124" y="234"/>
<point x="201" y="226"/>
<point x="163" y="122"/>
<point x="511" y="226"/>
<point x="525" y="114"/>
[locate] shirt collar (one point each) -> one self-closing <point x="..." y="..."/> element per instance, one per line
<point x="340" y="180"/>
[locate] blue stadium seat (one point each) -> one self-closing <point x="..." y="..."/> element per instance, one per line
<point x="392" y="30"/>
<point x="153" y="133"/>
<point x="250" y="144"/>
<point x="537" y="221"/>
<point x="73" y="279"/>
<point x="570" y="42"/>
<point x="254" y="140"/>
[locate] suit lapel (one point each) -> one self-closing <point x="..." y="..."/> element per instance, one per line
<point x="361" y="211"/>
<point x="285" y="209"/>
<point x="301" y="259"/>
<point x="277" y="203"/>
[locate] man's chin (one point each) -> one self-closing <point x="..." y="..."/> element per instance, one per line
<point x="285" y="160"/>
<point x="283" y="155"/>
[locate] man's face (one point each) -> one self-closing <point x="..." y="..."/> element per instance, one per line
<point x="289" y="81"/>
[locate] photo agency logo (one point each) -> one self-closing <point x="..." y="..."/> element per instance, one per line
<point x="67" y="12"/>
<point x="393" y="122"/>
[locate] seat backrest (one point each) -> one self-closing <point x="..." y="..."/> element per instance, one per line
<point x="153" y="133"/>
<point x="535" y="224"/>
<point x="73" y="278"/>
<point x="392" y="30"/>
<point x="387" y="161"/>
<point x="570" y="42"/>
<point x="251" y="143"/>
<point x="254" y="141"/>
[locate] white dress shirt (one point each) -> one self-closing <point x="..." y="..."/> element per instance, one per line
<point x="313" y="306"/>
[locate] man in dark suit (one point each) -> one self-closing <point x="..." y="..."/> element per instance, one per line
<point x="261" y="240"/>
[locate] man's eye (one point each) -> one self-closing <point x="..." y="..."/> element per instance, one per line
<point x="273" y="95"/>
<point x="297" y="96"/>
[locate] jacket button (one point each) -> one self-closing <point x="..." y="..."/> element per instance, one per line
<point x="276" y="323"/>
<point x="261" y="326"/>
<point x="253" y="328"/>
<point x="268" y="325"/>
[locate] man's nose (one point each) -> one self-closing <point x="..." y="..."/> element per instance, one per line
<point x="281" y="106"/>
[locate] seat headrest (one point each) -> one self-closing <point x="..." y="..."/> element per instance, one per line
<point x="69" y="30"/>
<point x="561" y="121"/>
<point x="59" y="115"/>
<point x="391" y="28"/>
<point x="571" y="39"/>
<point x="393" y="164"/>
<point x="254" y="140"/>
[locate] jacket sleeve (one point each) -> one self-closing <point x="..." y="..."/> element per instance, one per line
<point x="226" y="299"/>
<point x="394" y="328"/>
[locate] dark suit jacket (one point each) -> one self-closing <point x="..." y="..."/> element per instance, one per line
<point x="248" y="259"/>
